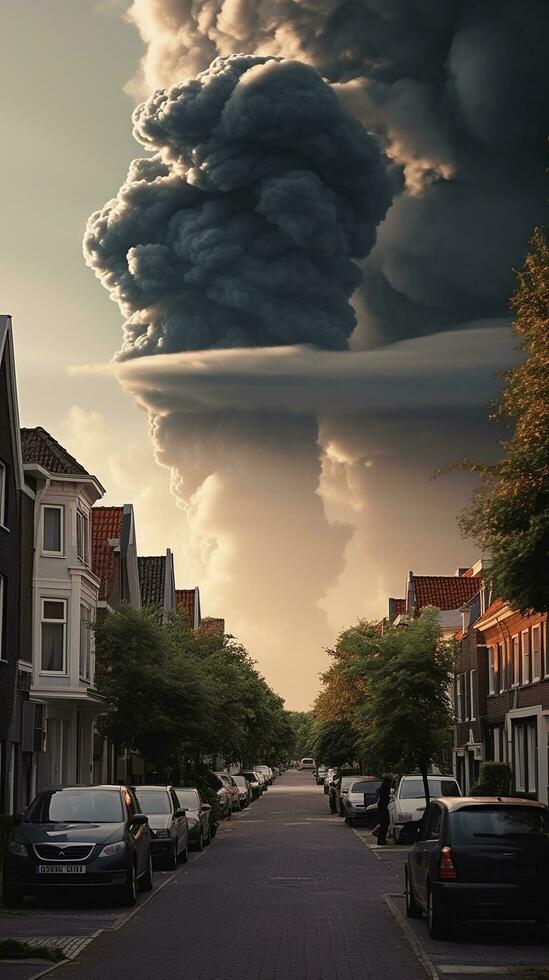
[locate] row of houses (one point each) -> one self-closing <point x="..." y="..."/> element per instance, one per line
<point x="501" y="682"/>
<point x="65" y="560"/>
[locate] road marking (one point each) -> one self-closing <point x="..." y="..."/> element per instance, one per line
<point x="463" y="969"/>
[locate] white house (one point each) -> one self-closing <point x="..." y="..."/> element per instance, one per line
<point x="65" y="597"/>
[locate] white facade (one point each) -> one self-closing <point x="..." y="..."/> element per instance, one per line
<point x="65" y="596"/>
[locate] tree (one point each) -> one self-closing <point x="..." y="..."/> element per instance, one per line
<point x="405" y="717"/>
<point x="301" y="723"/>
<point x="335" y="743"/>
<point x="509" y="512"/>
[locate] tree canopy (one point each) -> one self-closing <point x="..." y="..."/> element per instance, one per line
<point x="509" y="512"/>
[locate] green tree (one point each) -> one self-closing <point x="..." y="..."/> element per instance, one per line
<point x="302" y="726"/>
<point x="509" y="512"/>
<point x="405" y="717"/>
<point x="335" y="743"/>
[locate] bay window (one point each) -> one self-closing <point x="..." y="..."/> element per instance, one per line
<point x="53" y="635"/>
<point x="85" y="641"/>
<point x="82" y="536"/>
<point x="52" y="530"/>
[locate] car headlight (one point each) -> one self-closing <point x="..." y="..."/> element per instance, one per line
<point x="112" y="849"/>
<point x="161" y="834"/>
<point x="14" y="847"/>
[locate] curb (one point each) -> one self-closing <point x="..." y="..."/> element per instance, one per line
<point x="419" y="951"/>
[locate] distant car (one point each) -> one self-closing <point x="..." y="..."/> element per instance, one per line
<point x="79" y="837"/>
<point x="307" y="763"/>
<point x="255" y="781"/>
<point x="222" y="792"/>
<point x="232" y="789"/>
<point x="198" y="816"/>
<point x="407" y="804"/>
<point x="244" y="791"/>
<point x="167" y="823"/>
<point x="267" y="772"/>
<point x="479" y="858"/>
<point x="342" y="788"/>
<point x="264" y="780"/>
<point x="361" y="794"/>
<point x="320" y="775"/>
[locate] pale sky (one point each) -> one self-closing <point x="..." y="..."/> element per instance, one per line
<point x="297" y="517"/>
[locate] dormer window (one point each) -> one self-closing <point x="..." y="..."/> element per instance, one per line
<point x="82" y="536"/>
<point x="52" y="531"/>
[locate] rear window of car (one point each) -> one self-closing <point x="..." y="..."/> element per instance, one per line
<point x="346" y="781"/>
<point x="479" y="824"/>
<point x="153" y="801"/>
<point x="369" y="786"/>
<point x="188" y="798"/>
<point x="412" y="789"/>
<point x="77" y="806"/>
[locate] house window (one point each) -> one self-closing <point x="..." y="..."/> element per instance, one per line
<point x="515" y="647"/>
<point x="82" y="536"/>
<point x="525" y="756"/>
<point x="459" y="704"/>
<point x="3" y="655"/>
<point x="467" y="697"/>
<point x="52" y="530"/>
<point x="502" y="669"/>
<point x="526" y="674"/>
<point x="493" y="669"/>
<point x="3" y="492"/>
<point x="536" y="653"/>
<point x="85" y="642"/>
<point x="54" y="628"/>
<point x="472" y="688"/>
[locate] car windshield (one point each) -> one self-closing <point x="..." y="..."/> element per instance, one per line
<point x="153" y="801"/>
<point x="240" y="781"/>
<point x="412" y="789"/>
<point x="369" y="786"/>
<point x="476" y="824"/>
<point x="346" y="782"/>
<point x="77" y="806"/>
<point x="188" y="798"/>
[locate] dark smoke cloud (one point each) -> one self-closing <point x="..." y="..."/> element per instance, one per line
<point x="243" y="227"/>
<point x="456" y="92"/>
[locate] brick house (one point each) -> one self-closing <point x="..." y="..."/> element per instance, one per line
<point x="470" y="691"/>
<point x="16" y="557"/>
<point x="517" y="698"/>
<point x="157" y="582"/>
<point x="114" y="556"/>
<point x="189" y="601"/>
<point x="447" y="593"/>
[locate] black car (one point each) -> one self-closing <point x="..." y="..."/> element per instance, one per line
<point x="167" y="823"/>
<point x="479" y="858"/>
<point x="198" y="816"/>
<point x="77" y="837"/>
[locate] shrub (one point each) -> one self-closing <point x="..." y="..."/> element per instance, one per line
<point x="494" y="780"/>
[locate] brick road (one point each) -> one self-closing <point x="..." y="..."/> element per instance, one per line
<point x="286" y="893"/>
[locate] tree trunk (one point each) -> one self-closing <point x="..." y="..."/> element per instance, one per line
<point x="423" y="771"/>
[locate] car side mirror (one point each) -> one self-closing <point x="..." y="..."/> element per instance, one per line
<point x="139" y="820"/>
<point x="180" y="812"/>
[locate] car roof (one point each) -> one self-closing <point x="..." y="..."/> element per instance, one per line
<point x="431" y="775"/>
<point x="75" y="786"/>
<point x="154" y="786"/>
<point x="364" y="779"/>
<point x="459" y="802"/>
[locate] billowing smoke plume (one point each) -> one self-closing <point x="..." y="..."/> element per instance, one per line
<point x="456" y="91"/>
<point x="242" y="228"/>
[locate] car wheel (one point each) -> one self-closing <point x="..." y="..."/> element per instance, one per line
<point x="184" y="856"/>
<point x="128" y="894"/>
<point x="12" y="897"/>
<point x="200" y="841"/>
<point x="413" y="911"/>
<point x="396" y="835"/>
<point x="437" y="918"/>
<point x="146" y="880"/>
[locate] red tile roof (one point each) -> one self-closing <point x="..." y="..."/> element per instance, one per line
<point x="106" y="526"/>
<point x="399" y="606"/>
<point x="444" y="591"/>
<point x="212" y="625"/>
<point x="185" y="598"/>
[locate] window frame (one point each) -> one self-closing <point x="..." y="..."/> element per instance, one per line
<point x="501" y="668"/>
<point x="64" y="621"/>
<point x="472" y="680"/>
<point x="536" y="631"/>
<point x="82" y="517"/>
<point x="492" y="672"/>
<point x="3" y="656"/>
<point x="85" y="630"/>
<point x="517" y="659"/>
<point x="61" y="510"/>
<point x="3" y="493"/>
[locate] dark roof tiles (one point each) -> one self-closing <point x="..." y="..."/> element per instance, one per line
<point x="152" y="576"/>
<point x="38" y="446"/>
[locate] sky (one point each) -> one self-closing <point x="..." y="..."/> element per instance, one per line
<point x="305" y="281"/>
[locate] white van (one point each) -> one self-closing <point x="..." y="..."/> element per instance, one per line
<point x="407" y="805"/>
<point x="307" y="763"/>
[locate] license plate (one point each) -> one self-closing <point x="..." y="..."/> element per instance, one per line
<point x="405" y="817"/>
<point x="61" y="869"/>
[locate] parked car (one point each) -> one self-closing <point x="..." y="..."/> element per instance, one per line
<point x="320" y="775"/>
<point x="244" y="791"/>
<point x="78" y="837"/>
<point x="407" y="806"/>
<point x="330" y="777"/>
<point x="232" y="789"/>
<point x="264" y="780"/>
<point x="341" y="790"/>
<point x="479" y="858"/>
<point x="167" y="823"/>
<point x="198" y="816"/>
<point x="223" y="795"/>
<point x="267" y="772"/>
<point x="362" y="794"/>
<point x="307" y="763"/>
<point x="255" y="781"/>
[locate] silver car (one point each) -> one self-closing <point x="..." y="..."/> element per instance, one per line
<point x="362" y="793"/>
